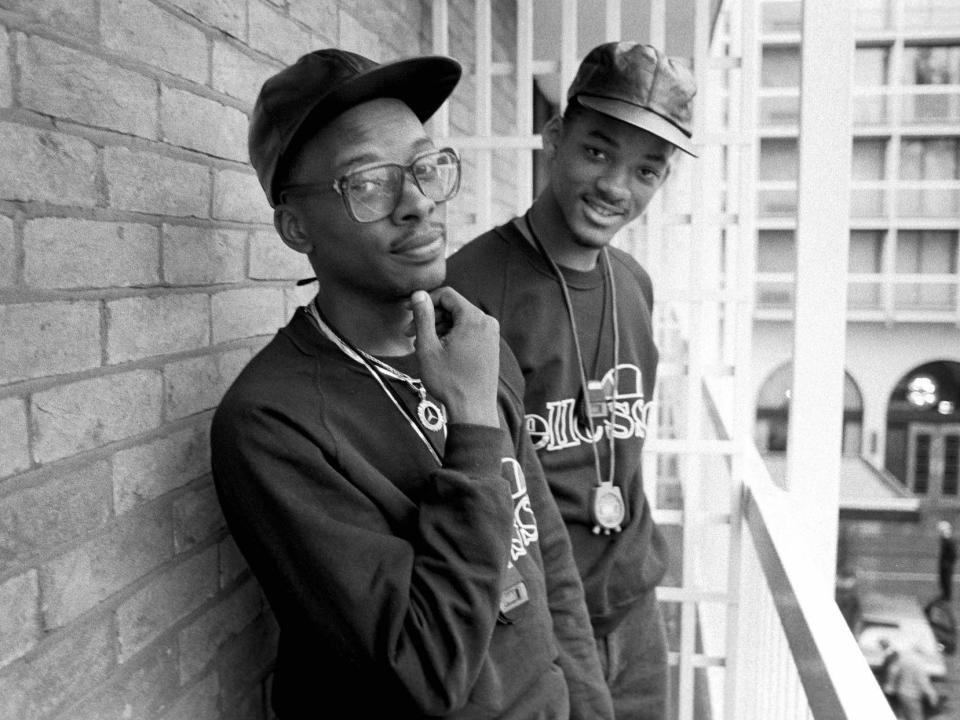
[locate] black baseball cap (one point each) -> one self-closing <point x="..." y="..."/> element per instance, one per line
<point x="639" y="85"/>
<point x="300" y="99"/>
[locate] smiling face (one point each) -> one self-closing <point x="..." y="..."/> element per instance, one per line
<point x="385" y="260"/>
<point x="603" y="174"/>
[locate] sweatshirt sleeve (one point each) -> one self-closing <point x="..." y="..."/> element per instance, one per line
<point x="589" y="694"/>
<point x="418" y="607"/>
<point x="577" y="650"/>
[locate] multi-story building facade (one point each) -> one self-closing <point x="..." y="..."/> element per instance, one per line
<point x="902" y="381"/>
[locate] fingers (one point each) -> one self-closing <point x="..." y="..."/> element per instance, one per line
<point x="451" y="301"/>
<point x="424" y="320"/>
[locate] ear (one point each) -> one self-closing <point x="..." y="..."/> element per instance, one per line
<point x="551" y="135"/>
<point x="289" y="226"/>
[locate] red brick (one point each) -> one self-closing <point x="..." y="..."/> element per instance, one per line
<point x="46" y="167"/>
<point x="276" y="35"/>
<point x="76" y="17"/>
<point x="6" y="90"/>
<point x="201" y="124"/>
<point x="197" y="702"/>
<point x="155" y="184"/>
<point x="226" y="15"/>
<point x="71" y="253"/>
<point x="139" y="327"/>
<point x="89" y="413"/>
<point x="191" y="386"/>
<point x="202" y="256"/>
<point x="144" y="690"/>
<point x="237" y="74"/>
<point x="246" y="313"/>
<point x="20" y="620"/>
<point x="64" y="83"/>
<point x="39" y="339"/>
<point x="145" y="472"/>
<point x="8" y="253"/>
<point x="14" y="443"/>
<point x="357" y="38"/>
<point x="196" y="517"/>
<point x="232" y="563"/>
<point x="321" y="15"/>
<point x="270" y="259"/>
<point x="75" y="662"/>
<point x="141" y="30"/>
<point x="167" y="599"/>
<point x="238" y="196"/>
<point x="78" y="580"/>
<point x="231" y="363"/>
<point x="62" y="505"/>
<point x="296" y="297"/>
<point x="201" y="641"/>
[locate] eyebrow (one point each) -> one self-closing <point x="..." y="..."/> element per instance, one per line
<point x="600" y="135"/>
<point x="419" y="147"/>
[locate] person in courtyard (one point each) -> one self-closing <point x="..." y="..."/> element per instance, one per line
<point x="371" y="461"/>
<point x="906" y="680"/>
<point x="577" y="314"/>
<point x="947" y="558"/>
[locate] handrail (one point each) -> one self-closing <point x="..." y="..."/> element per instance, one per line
<point x="834" y="675"/>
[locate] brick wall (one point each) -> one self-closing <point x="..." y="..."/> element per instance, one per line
<point x="139" y="271"/>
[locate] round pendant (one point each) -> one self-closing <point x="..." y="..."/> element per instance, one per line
<point x="608" y="509"/>
<point x="430" y="415"/>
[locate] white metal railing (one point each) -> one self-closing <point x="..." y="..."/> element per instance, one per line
<point x="795" y="656"/>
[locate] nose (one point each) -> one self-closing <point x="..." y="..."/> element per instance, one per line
<point x="413" y="205"/>
<point x="614" y="184"/>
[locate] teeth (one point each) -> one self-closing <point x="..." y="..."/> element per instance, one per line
<point x="601" y="210"/>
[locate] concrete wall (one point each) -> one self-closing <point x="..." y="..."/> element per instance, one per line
<point x="877" y="357"/>
<point x="139" y="271"/>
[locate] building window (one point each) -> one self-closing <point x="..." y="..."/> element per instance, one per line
<point x="931" y="65"/>
<point x="776" y="255"/>
<point x="866" y="258"/>
<point x="780" y="67"/>
<point x="927" y="14"/>
<point x="929" y="159"/>
<point x="872" y="14"/>
<point x="926" y="252"/>
<point x="773" y="410"/>
<point x="869" y="158"/>
<point x="871" y="65"/>
<point x="779" y="17"/>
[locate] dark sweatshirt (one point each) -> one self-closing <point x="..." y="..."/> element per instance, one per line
<point x="505" y="275"/>
<point x="385" y="570"/>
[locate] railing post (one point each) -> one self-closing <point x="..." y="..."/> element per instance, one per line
<point x="823" y="230"/>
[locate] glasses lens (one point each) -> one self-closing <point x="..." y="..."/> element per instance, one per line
<point x="438" y="175"/>
<point x="373" y="194"/>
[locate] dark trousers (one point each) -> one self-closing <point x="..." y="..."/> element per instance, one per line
<point x="634" y="662"/>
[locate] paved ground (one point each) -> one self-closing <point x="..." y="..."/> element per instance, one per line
<point x="950" y="688"/>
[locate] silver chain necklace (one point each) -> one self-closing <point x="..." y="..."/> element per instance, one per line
<point x="431" y="415"/>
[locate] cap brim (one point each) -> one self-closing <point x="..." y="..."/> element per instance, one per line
<point x="422" y="83"/>
<point x="639" y="117"/>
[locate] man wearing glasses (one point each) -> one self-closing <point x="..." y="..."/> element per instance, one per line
<point x="372" y="461"/>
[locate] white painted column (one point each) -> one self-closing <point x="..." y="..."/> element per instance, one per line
<point x="823" y="228"/>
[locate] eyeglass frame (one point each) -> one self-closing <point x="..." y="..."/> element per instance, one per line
<point x="338" y="184"/>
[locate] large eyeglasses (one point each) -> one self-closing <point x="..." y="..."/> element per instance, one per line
<point x="374" y="192"/>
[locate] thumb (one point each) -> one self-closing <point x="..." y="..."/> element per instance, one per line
<point x="424" y="320"/>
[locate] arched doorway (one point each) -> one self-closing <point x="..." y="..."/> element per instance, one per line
<point x="923" y="431"/>
<point x="773" y="411"/>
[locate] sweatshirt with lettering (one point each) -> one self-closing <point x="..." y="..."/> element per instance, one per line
<point x="505" y="275"/>
<point x="384" y="568"/>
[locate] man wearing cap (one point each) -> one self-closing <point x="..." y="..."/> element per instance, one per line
<point x="371" y="461"/>
<point x="577" y="315"/>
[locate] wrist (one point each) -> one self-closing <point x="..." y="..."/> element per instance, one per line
<point x="474" y="413"/>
